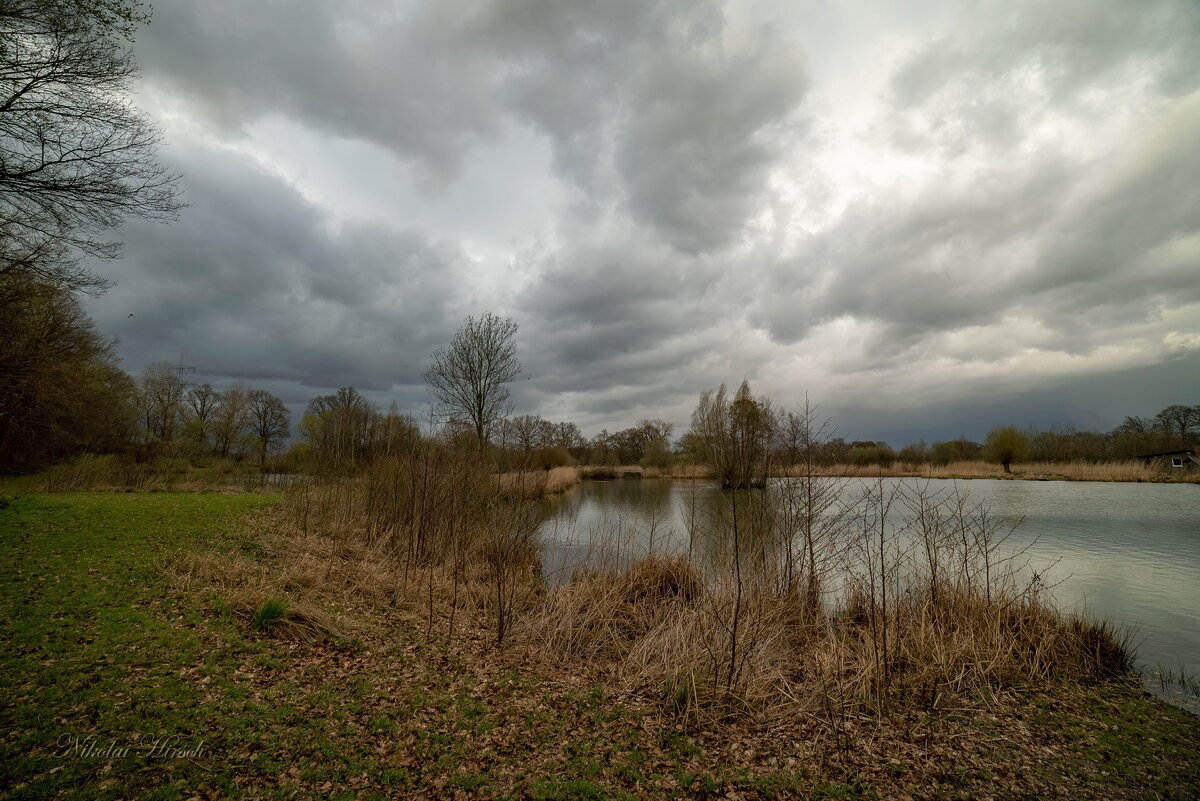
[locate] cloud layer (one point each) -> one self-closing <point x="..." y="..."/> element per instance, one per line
<point x="895" y="213"/>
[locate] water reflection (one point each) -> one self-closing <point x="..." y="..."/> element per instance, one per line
<point x="1127" y="552"/>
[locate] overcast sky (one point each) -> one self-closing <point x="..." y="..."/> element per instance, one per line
<point x="932" y="217"/>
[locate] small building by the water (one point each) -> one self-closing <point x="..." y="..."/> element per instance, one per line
<point x="1182" y="459"/>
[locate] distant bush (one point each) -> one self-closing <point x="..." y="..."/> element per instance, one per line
<point x="599" y="472"/>
<point x="300" y="458"/>
<point x="867" y="455"/>
<point x="943" y="453"/>
<point x="549" y="458"/>
<point x="914" y="454"/>
<point x="658" y="456"/>
<point x="1005" y="445"/>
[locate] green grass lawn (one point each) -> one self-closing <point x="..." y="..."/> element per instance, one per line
<point x="104" y="658"/>
<point x="100" y="651"/>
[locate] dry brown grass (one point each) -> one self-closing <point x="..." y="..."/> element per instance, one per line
<point x="1132" y="470"/>
<point x="798" y="657"/>
<point x="323" y="576"/>
<point x="244" y="586"/>
<point x="533" y="484"/>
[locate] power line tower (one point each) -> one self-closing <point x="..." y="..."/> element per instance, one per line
<point x="182" y="369"/>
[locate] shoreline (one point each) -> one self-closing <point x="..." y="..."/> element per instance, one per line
<point x="1106" y="472"/>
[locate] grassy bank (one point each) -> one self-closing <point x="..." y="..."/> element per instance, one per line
<point x="133" y="619"/>
<point x="111" y="472"/>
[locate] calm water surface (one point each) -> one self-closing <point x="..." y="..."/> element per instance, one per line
<point x="1126" y="552"/>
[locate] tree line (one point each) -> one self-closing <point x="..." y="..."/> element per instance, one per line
<point x="62" y="392"/>
<point x="1176" y="427"/>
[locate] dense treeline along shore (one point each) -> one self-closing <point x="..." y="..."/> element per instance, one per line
<point x="62" y="395"/>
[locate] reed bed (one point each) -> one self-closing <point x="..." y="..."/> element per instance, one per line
<point x="532" y="484"/>
<point x="90" y="471"/>
<point x="1132" y="470"/>
<point x="797" y="657"/>
<point x="679" y="471"/>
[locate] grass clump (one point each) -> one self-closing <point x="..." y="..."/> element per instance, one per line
<point x="268" y="614"/>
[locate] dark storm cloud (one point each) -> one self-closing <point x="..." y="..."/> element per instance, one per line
<point x="1095" y="402"/>
<point x="621" y="312"/>
<point x="253" y="283"/>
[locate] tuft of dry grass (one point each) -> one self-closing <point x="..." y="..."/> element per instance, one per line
<point x="243" y="587"/>
<point x="561" y="479"/>
<point x="601" y="614"/>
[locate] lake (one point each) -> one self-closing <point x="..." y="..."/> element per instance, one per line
<point x="1126" y="552"/>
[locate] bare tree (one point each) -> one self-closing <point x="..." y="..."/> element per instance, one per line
<point x="341" y="425"/>
<point x="231" y="418"/>
<point x="1179" y="418"/>
<point x="162" y="399"/>
<point x="809" y="502"/>
<point x="76" y="157"/>
<point x="269" y="420"/>
<point x="468" y="376"/>
<point x="567" y="435"/>
<point x="203" y="400"/>
<point x="526" y="432"/>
